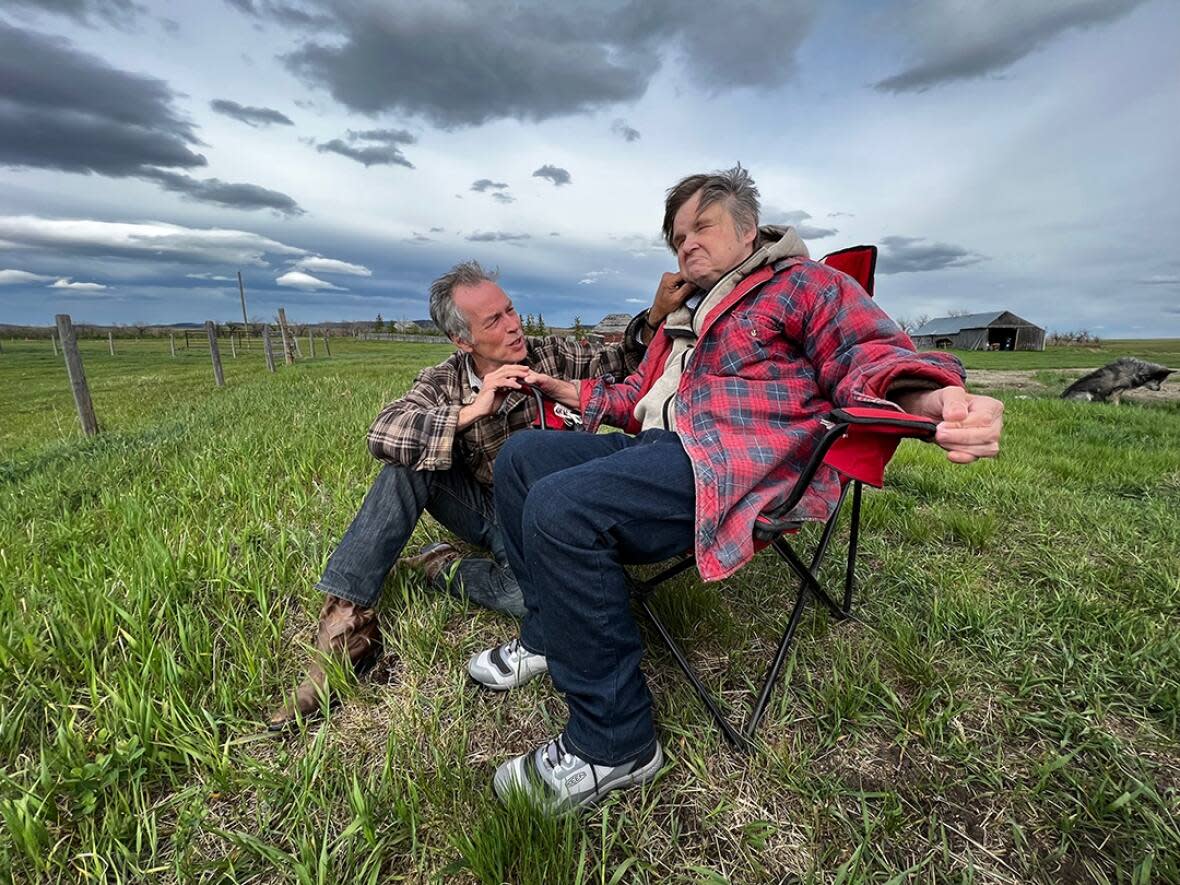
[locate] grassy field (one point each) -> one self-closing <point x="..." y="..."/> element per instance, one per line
<point x="1006" y="709"/>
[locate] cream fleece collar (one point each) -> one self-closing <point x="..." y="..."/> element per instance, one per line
<point x="774" y="243"/>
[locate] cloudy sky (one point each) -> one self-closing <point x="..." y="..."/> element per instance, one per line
<point x="342" y="153"/>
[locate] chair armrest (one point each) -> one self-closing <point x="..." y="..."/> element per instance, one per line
<point x="858" y="442"/>
<point x="884" y="421"/>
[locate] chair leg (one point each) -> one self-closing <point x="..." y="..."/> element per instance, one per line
<point x="777" y="665"/>
<point x="853" y="538"/>
<point x="735" y="740"/>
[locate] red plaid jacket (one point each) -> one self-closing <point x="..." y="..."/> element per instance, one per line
<point x="788" y="344"/>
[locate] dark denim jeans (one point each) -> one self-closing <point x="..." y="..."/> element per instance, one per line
<point x="574" y="508"/>
<point x="369" y="549"/>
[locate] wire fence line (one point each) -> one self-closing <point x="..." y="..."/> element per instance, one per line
<point x="213" y="340"/>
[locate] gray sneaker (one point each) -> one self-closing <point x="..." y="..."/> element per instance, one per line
<point x="506" y="666"/>
<point x="557" y="781"/>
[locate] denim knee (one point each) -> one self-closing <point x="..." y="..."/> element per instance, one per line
<point x="550" y="508"/>
<point x="514" y="453"/>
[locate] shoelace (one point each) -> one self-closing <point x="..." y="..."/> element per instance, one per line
<point x="512" y="648"/>
<point x="556" y="753"/>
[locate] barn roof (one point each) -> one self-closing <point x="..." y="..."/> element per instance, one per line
<point x="954" y="325"/>
<point x="613" y="322"/>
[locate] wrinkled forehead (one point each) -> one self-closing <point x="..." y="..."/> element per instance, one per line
<point x="692" y="210"/>
<point x="481" y="300"/>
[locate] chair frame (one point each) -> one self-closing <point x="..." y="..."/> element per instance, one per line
<point x="837" y="425"/>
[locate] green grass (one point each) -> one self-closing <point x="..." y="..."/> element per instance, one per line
<point x="1156" y="350"/>
<point x="1006" y="708"/>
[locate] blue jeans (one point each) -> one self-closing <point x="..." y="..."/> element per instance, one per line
<point x="357" y="568"/>
<point x="574" y="508"/>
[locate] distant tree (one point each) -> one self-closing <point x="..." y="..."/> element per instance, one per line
<point x="379" y="324"/>
<point x="910" y="324"/>
<point x="958" y="312"/>
<point x="579" y="329"/>
<point x="530" y="325"/>
<point x="541" y="330"/>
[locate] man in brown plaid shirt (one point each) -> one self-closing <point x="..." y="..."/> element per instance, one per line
<point x="438" y="443"/>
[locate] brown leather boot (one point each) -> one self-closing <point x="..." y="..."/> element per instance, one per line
<point x="346" y="631"/>
<point x="434" y="561"/>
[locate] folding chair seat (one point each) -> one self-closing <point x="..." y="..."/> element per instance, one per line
<point x="858" y="443"/>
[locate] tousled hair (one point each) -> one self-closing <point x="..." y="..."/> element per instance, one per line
<point x="443" y="310"/>
<point x="734" y="186"/>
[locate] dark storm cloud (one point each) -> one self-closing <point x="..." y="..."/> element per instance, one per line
<point x="496" y="237"/>
<point x="624" y="131"/>
<point x="797" y="219"/>
<point x="957" y="44"/>
<point x="485" y="184"/>
<point x="433" y="60"/>
<point x="915" y="254"/>
<point x="119" y="12"/>
<point x="381" y="150"/>
<point x="503" y="198"/>
<point x="555" y="174"/>
<point x="70" y="111"/>
<point x="223" y="193"/>
<point x="251" y="116"/>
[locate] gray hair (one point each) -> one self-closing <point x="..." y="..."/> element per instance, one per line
<point x="443" y="311"/>
<point x="735" y="186"/>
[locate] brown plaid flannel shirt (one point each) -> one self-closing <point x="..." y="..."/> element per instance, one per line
<point x="418" y="430"/>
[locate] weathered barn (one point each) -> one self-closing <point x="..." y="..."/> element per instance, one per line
<point x="611" y="328"/>
<point x="999" y="330"/>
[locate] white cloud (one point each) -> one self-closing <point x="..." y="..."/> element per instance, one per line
<point x="330" y="265"/>
<point x="145" y="241"/>
<point x="593" y="276"/>
<point x="67" y="283"/>
<point x="11" y="277"/>
<point x="209" y="276"/>
<point x="305" y="281"/>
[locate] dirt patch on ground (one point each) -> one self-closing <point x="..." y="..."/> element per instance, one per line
<point x="1026" y="379"/>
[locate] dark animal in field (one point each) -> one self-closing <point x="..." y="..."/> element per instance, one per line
<point x="1113" y="380"/>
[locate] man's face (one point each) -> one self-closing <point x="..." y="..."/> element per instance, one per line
<point x="707" y="242"/>
<point x="497" y="338"/>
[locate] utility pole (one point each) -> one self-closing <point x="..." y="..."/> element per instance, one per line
<point x="245" y="322"/>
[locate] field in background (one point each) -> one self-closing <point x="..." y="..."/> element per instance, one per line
<point x="1007" y="708"/>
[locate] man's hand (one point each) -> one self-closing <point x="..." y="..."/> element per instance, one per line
<point x="496" y="386"/>
<point x="670" y="294"/>
<point x="565" y="392"/>
<point x="969" y="425"/>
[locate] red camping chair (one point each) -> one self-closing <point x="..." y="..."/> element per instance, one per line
<point x="857" y="442"/>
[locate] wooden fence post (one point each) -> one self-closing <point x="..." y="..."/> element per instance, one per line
<point x="186" y="339"/>
<point x="214" y="353"/>
<point x="233" y="346"/>
<point x="327" y="349"/>
<point x="53" y="341"/>
<point x="288" y="349"/>
<point x="311" y="343"/>
<point x="111" y="342"/>
<point x="172" y="343"/>
<point x="69" y="345"/>
<point x="266" y="348"/>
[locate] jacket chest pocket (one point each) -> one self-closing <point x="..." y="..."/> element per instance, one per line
<point x="752" y="347"/>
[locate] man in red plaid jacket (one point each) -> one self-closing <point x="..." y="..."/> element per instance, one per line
<point x="725" y="410"/>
